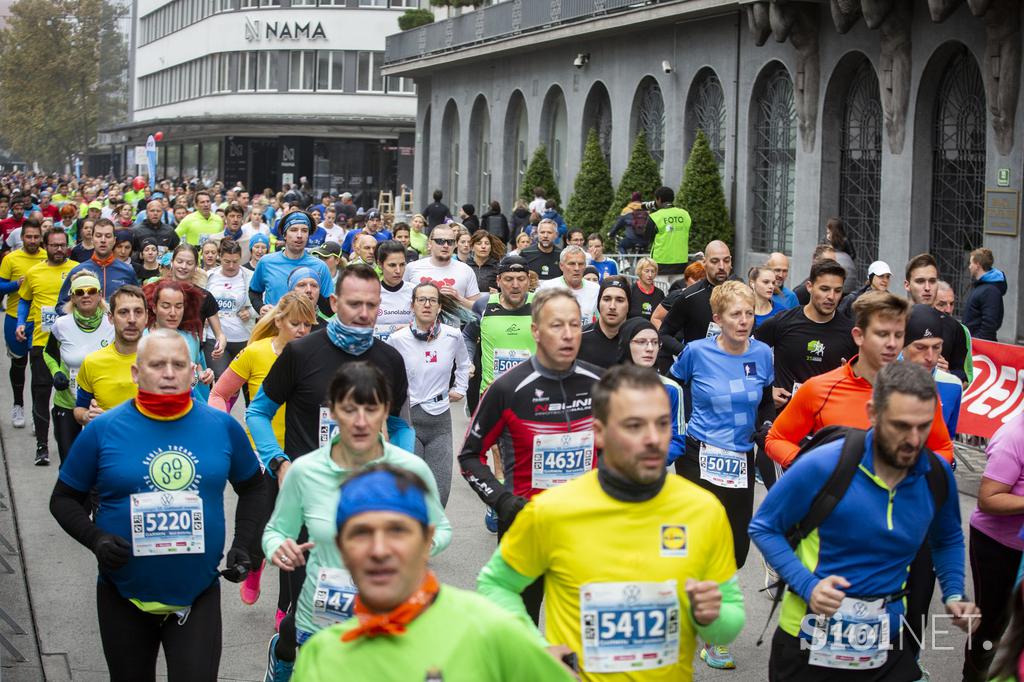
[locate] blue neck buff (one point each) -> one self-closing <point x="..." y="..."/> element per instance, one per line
<point x="352" y="340"/>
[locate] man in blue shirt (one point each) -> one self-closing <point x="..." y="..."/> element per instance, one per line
<point x="159" y="464"/>
<point x="110" y="271"/>
<point x="372" y="227"/>
<point x="852" y="568"/>
<point x="270" y="279"/>
<point x="779" y="264"/>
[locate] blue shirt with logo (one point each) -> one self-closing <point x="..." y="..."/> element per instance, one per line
<point x="123" y="452"/>
<point x="271" y="275"/>
<point x="724" y="391"/>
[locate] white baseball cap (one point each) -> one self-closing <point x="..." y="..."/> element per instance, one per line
<point x="879" y="267"/>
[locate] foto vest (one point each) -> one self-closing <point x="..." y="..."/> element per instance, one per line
<point x="672" y="239"/>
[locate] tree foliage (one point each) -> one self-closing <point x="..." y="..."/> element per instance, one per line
<point x="539" y="174"/>
<point x="702" y="196"/>
<point x="642" y="175"/>
<point x="413" y="18"/>
<point x="52" y="54"/>
<point x="592" y="192"/>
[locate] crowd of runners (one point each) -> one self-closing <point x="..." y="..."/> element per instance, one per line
<point x="619" y="425"/>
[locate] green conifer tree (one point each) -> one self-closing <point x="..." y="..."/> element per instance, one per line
<point x="539" y="174"/>
<point x="592" y="193"/>
<point x="701" y="195"/>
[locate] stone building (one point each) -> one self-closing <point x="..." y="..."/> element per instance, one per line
<point x="902" y="117"/>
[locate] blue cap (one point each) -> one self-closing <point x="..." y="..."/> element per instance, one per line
<point x="300" y="273"/>
<point x="259" y="238"/>
<point x="165" y="260"/>
<point x="379" y="491"/>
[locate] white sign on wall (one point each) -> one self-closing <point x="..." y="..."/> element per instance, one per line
<point x="260" y="29"/>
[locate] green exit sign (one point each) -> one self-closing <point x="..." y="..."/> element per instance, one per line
<point x="1003" y="177"/>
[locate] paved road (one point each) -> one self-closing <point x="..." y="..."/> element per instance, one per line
<point x="57" y="610"/>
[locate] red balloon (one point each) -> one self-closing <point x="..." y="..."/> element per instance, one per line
<point x="138" y="182"/>
<point x="159" y="135"/>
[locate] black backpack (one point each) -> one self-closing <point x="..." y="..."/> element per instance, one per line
<point x="835" y="487"/>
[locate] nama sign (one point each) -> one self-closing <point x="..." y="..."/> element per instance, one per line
<point x="256" y="30"/>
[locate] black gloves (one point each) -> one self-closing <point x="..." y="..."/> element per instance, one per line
<point x="508" y="508"/>
<point x="112" y="551"/>
<point x="761" y="434"/>
<point x="61" y="381"/>
<point x="238" y="564"/>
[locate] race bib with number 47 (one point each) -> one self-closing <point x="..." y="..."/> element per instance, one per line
<point x="334" y="597"/>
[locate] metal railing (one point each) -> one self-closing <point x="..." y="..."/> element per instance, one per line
<point x="500" y="20"/>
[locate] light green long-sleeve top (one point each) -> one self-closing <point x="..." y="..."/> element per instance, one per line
<point x="310" y="496"/>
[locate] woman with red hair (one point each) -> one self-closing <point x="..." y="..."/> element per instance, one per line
<point x="176" y="305"/>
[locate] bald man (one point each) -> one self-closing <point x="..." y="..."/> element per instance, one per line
<point x="779" y="264"/>
<point x="689" y="318"/>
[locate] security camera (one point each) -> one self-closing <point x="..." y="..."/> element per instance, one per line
<point x="665" y="66"/>
<point x="581" y="60"/>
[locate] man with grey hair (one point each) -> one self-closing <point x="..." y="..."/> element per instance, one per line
<point x="572" y="261"/>
<point x="542" y="257"/>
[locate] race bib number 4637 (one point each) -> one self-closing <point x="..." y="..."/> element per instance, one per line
<point x="561" y="457"/>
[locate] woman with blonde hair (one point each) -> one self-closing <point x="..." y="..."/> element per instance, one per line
<point x="84" y="329"/>
<point x="644" y="296"/>
<point x="417" y="237"/>
<point x="729" y="377"/>
<point x="291" y="318"/>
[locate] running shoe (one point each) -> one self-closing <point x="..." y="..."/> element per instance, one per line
<point x="277" y="671"/>
<point x="42" y="456"/>
<point x="18" y="416"/>
<point x="250" y="587"/>
<point x="491" y="521"/>
<point x="717" y="656"/>
<point x="278" y="617"/>
<point x="771" y="579"/>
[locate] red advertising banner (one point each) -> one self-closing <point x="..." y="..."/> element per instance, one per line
<point x="997" y="393"/>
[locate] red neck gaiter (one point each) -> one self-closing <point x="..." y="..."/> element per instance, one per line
<point x="162" y="406"/>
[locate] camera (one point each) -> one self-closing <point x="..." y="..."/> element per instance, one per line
<point x="665" y="66"/>
<point x="581" y="60"/>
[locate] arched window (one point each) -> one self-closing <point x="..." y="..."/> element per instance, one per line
<point x="860" y="167"/>
<point x="555" y="135"/>
<point x="516" y="135"/>
<point x="649" y="117"/>
<point x="597" y="114"/>
<point x="480" y="154"/>
<point x="707" y="114"/>
<point x="774" y="155"/>
<point x="958" y="170"/>
<point x="450" y="152"/>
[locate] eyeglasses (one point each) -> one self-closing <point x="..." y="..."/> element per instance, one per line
<point x="88" y="291"/>
<point x="651" y="343"/>
<point x="426" y="300"/>
<point x="443" y="242"/>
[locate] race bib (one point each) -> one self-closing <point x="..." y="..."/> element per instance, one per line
<point x="561" y="457"/>
<point x="713" y="330"/>
<point x="48" y="315"/>
<point x="629" y="626"/>
<point x="507" y="358"/>
<point x="226" y="306"/>
<point x="383" y="331"/>
<point x="73" y="381"/>
<point x="334" y="597"/>
<point x="326" y="427"/>
<point x="856" y="636"/>
<point x="168" y="522"/>
<point x="723" y="468"/>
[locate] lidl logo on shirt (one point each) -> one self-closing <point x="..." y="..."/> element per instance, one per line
<point x="172" y="469"/>
<point x="750" y="369"/>
<point x="430" y="356"/>
<point x="673" y="541"/>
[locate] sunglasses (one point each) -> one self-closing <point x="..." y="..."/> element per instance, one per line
<point x="89" y="291"/>
<point x="444" y="242"/>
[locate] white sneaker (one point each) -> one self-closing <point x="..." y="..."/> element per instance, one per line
<point x="18" y="416"/>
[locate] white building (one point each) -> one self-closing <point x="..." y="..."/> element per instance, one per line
<point x="267" y="91"/>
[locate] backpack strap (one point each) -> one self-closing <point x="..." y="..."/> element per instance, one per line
<point x="938" y="484"/>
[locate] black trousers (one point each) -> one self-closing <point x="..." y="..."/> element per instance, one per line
<point x="17" y="371"/>
<point x="132" y="638"/>
<point x="920" y="588"/>
<point x="994" y="567"/>
<point x="738" y="502"/>
<point x="65" y="430"/>
<point x="42" y="386"/>
<point x="218" y="365"/>
<point x="289" y="582"/>
<point x="789" y="663"/>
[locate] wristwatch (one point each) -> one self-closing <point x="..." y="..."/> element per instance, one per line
<point x="275" y="464"/>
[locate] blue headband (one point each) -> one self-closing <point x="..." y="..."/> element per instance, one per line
<point x="295" y="217"/>
<point x="259" y="238"/>
<point x="300" y="273"/>
<point x="379" y="491"/>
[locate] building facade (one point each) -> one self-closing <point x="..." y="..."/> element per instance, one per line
<point x="901" y="117"/>
<point x="264" y="92"/>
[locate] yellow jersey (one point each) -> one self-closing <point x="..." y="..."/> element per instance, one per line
<point x="42" y="286"/>
<point x="13" y="267"/>
<point x="253" y="364"/>
<point x="106" y="375"/>
<point x="615" y="573"/>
